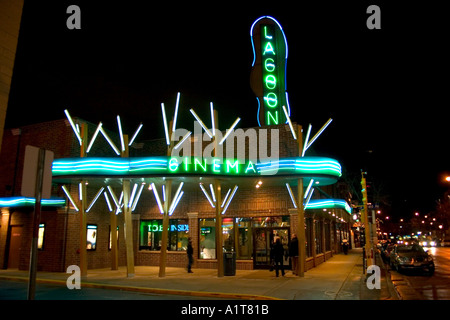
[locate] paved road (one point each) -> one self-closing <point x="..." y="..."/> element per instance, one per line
<point x="17" y="290"/>
<point x="437" y="286"/>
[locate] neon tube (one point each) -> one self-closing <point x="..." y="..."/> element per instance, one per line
<point x="176" y="113"/>
<point x="166" y="130"/>
<point x="77" y="134"/>
<point x="318" y="133"/>
<point x="291" y="195"/>
<point x="207" y="195"/>
<point x="95" y="199"/>
<point x="94" y="137"/>
<point x="182" y="140"/>
<point x="212" y="119"/>
<point x="226" y="197"/>
<point x="229" y="199"/>
<point x="201" y="123"/>
<point x="290" y="123"/>
<point x="229" y="130"/>
<point x="175" y="199"/>
<point x="122" y="143"/>
<point x="309" y="197"/>
<point x="133" y="193"/>
<point x="136" y="200"/>
<point x="176" y="203"/>
<point x="306" y="140"/>
<point x="113" y="196"/>
<point x="107" y="201"/>
<point x="158" y="201"/>
<point x="80" y="193"/>
<point x="135" y="134"/>
<point x="70" y="198"/>
<point x="308" y="188"/>
<point x="110" y="141"/>
<point x="212" y="192"/>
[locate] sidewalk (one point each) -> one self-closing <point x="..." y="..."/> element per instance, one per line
<point x="340" y="278"/>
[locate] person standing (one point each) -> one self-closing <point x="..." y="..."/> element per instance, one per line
<point x="293" y="253"/>
<point x="278" y="254"/>
<point x="190" y="253"/>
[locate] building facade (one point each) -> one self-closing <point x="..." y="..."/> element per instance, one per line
<point x="260" y="210"/>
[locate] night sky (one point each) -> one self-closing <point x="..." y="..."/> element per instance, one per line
<point x="387" y="90"/>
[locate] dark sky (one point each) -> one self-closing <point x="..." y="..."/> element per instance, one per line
<point x="387" y="90"/>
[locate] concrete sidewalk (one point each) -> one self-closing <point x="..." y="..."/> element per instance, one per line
<point x="340" y="278"/>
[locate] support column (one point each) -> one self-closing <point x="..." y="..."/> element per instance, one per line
<point x="128" y="224"/>
<point x="300" y="213"/>
<point x="114" y="253"/>
<point x="165" y="230"/>
<point x="83" y="231"/>
<point x="219" y="235"/>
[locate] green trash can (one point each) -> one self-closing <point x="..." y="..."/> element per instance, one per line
<point x="229" y="263"/>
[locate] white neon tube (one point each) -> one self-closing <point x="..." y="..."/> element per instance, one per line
<point x="73" y="126"/>
<point x="306" y="140"/>
<point x="94" y="137"/>
<point x="291" y="195"/>
<point x="95" y="199"/>
<point x="136" y="200"/>
<point x="229" y="199"/>
<point x="212" y="192"/>
<point x="113" y="196"/>
<point x="212" y="119"/>
<point x="107" y="201"/>
<point x="166" y="130"/>
<point x="308" y="188"/>
<point x="119" y="124"/>
<point x="229" y="130"/>
<point x="318" y="133"/>
<point x="290" y="123"/>
<point x="110" y="141"/>
<point x="201" y="123"/>
<point x="158" y="201"/>
<point x="80" y="193"/>
<point x="226" y="197"/>
<point x="135" y="134"/>
<point x="207" y="195"/>
<point x="174" y="125"/>
<point x="70" y="198"/>
<point x="182" y="140"/>
<point x="309" y="197"/>
<point x="176" y="203"/>
<point x="133" y="193"/>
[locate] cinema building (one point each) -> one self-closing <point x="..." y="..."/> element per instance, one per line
<point x="258" y="201"/>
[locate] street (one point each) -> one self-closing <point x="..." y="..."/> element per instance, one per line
<point x="437" y="286"/>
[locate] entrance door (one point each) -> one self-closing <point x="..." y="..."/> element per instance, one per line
<point x="262" y="240"/>
<point x="14" y="246"/>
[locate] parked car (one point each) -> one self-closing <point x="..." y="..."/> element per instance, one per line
<point x="411" y="257"/>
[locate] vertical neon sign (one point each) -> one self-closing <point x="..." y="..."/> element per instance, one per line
<point x="268" y="75"/>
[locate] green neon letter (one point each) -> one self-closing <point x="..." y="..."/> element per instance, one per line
<point x="271" y="82"/>
<point x="203" y="166"/>
<point x="250" y="167"/>
<point x="265" y="33"/>
<point x="270" y="116"/>
<point x="173" y="164"/>
<point x="268" y="48"/>
<point x="271" y="100"/>
<point x="269" y="65"/>
<point x="186" y="164"/>
<point x="216" y="165"/>
<point x="235" y="165"/>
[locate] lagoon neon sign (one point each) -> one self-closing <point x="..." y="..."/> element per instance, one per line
<point x="268" y="76"/>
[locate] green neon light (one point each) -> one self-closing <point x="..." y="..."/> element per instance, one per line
<point x="270" y="81"/>
<point x="28" y="202"/>
<point x="270" y="116"/>
<point x="329" y="204"/>
<point x="323" y="170"/>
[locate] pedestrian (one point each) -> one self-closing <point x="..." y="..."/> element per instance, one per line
<point x="293" y="253"/>
<point x="278" y="254"/>
<point x="190" y="253"/>
<point x="345" y="245"/>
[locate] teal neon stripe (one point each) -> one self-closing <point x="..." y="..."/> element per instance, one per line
<point x="329" y="204"/>
<point x="27" y="201"/>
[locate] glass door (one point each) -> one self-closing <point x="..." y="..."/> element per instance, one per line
<point x="262" y="240"/>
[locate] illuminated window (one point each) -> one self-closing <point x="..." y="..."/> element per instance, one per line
<point x="207" y="239"/>
<point x="151" y="234"/>
<point x="41" y="236"/>
<point x="91" y="239"/>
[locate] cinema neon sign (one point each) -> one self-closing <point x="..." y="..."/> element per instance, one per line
<point x="268" y="76"/>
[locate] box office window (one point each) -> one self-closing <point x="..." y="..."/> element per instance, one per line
<point x="151" y="234"/>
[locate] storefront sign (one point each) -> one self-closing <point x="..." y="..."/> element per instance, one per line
<point x="268" y="76"/>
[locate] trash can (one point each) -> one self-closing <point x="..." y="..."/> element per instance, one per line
<point x="229" y="263"/>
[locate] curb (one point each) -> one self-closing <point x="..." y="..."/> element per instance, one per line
<point x="222" y="295"/>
